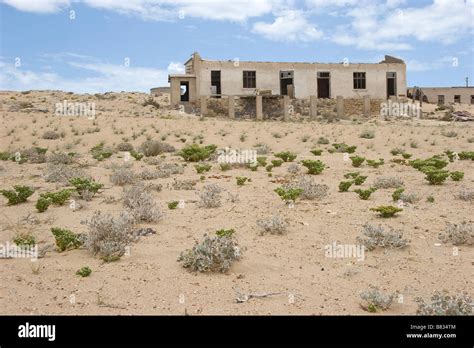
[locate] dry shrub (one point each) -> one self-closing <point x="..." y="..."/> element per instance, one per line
<point x="139" y="202"/>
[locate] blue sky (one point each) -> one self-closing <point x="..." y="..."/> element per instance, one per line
<point x="132" y="45"/>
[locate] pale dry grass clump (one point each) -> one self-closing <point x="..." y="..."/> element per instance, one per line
<point x="141" y="205"/>
<point x="375" y="300"/>
<point x="213" y="254"/>
<point x="210" y="196"/>
<point x="108" y="236"/>
<point x="184" y="184"/>
<point x="388" y="182"/>
<point x="465" y="195"/>
<point x="122" y="175"/>
<point x="272" y="225"/>
<point x="311" y="190"/>
<point x="442" y="303"/>
<point x="373" y="237"/>
<point x="62" y="173"/>
<point x="458" y="234"/>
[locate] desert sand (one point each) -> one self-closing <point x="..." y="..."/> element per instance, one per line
<point x="149" y="280"/>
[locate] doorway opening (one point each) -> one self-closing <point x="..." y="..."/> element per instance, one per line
<point x="184" y="87"/>
<point x="286" y="83"/>
<point x="216" y="82"/>
<point x="391" y="84"/>
<point x="324" y="85"/>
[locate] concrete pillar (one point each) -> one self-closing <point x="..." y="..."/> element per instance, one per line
<point x="286" y="108"/>
<point x="340" y="106"/>
<point x="259" y="108"/>
<point x="366" y="106"/>
<point x="203" y="105"/>
<point x="313" y="107"/>
<point x="231" y="107"/>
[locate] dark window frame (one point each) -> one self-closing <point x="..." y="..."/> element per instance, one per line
<point x="359" y="80"/>
<point x="249" y="79"/>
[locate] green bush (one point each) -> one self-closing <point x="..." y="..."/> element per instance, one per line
<point x="430" y="199"/>
<point x="406" y="155"/>
<point x="386" y="211"/>
<point x="351" y="175"/>
<point x="25" y="240"/>
<point x="435" y="162"/>
<point x="137" y="155"/>
<point x="241" y="180"/>
<point x="84" y="272"/>
<point x="365" y="194"/>
<point x="269" y="168"/>
<point x="357" y="161"/>
<point x="5" y="156"/>
<point x="397" y="194"/>
<point x="323" y="141"/>
<point x="344" y="186"/>
<point x="19" y="194"/>
<point x="286" y="156"/>
<point x="65" y="239"/>
<point x="225" y="233"/>
<point x="314" y="167"/>
<point x="374" y="163"/>
<point x="201" y="168"/>
<point x="262" y="161"/>
<point x="465" y="155"/>
<point x="317" y="152"/>
<point x="225" y="166"/>
<point x="457" y="176"/>
<point x="196" y="153"/>
<point x="288" y="194"/>
<point x="277" y="162"/>
<point x="100" y="153"/>
<point x="436" y="177"/>
<point x="359" y="180"/>
<point x="343" y="147"/>
<point x="58" y="198"/>
<point x="85" y="184"/>
<point x="42" y="204"/>
<point x="173" y="204"/>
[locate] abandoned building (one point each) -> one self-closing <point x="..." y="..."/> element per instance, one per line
<point x="295" y="79"/>
<point x="443" y="95"/>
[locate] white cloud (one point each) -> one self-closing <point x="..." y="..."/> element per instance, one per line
<point x="176" y="68"/>
<point x="382" y="27"/>
<point x="106" y="77"/>
<point x="38" y="6"/>
<point x="288" y="26"/>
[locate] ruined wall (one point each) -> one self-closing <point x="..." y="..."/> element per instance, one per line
<point x="305" y="78"/>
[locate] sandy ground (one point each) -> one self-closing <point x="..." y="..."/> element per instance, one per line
<point x="151" y="281"/>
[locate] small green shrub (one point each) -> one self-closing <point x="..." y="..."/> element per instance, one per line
<point x="374" y="163"/>
<point x="430" y="199"/>
<point x="357" y="161"/>
<point x="465" y="155"/>
<point x="367" y="134"/>
<point x="85" y="184"/>
<point x="137" y="155"/>
<point x="65" y="239"/>
<point x="42" y="204"/>
<point x="365" y="194"/>
<point x="84" y="272"/>
<point x="288" y="194"/>
<point x="344" y="186"/>
<point x="241" y="180"/>
<point x="323" y="141"/>
<point x="262" y="161"/>
<point x="457" y="176"/>
<point x="397" y="194"/>
<point x="24" y="240"/>
<point x="277" y="162"/>
<point x="225" y="166"/>
<point x="386" y="211"/>
<point x="196" y="153"/>
<point x="317" y="152"/>
<point x="351" y="175"/>
<point x="359" y="180"/>
<point x="314" y="167"/>
<point x="99" y="152"/>
<point x="286" y="156"/>
<point x="18" y="195"/>
<point x="343" y="147"/>
<point x="57" y="198"/>
<point x="436" y="177"/>
<point x="201" y="168"/>
<point x="406" y="155"/>
<point x="173" y="205"/>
